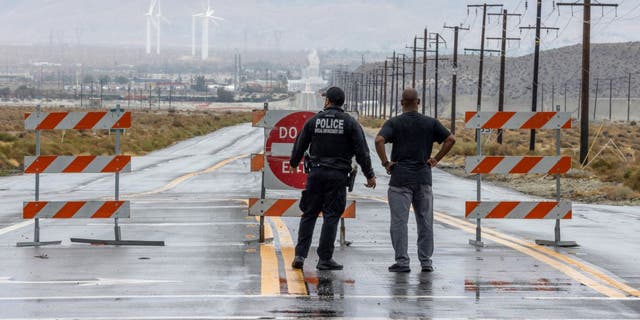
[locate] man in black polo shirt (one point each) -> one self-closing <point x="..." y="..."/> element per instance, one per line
<point x="412" y="136"/>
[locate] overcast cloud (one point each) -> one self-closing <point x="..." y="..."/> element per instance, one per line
<point x="380" y="25"/>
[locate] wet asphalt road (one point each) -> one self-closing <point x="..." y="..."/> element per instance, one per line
<point x="192" y="196"/>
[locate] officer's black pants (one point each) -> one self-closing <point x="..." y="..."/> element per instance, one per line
<point x="325" y="192"/>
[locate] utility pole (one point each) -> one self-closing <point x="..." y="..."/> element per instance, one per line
<point x="454" y="76"/>
<point x="586" y="59"/>
<point x="384" y="91"/>
<point x="374" y="86"/>
<point x="503" y="55"/>
<point x="629" y="98"/>
<point x="397" y="73"/>
<point x="367" y="81"/>
<point x="404" y="74"/>
<point x="610" y="96"/>
<point x="425" y="43"/>
<point x="414" y="62"/>
<point x="415" y="43"/>
<point x="565" y="97"/>
<point x="437" y="60"/>
<point x="381" y="92"/>
<point x="536" y="65"/>
<point x="353" y="104"/>
<point x="393" y="72"/>
<point x="482" y="50"/>
<point x="595" y="104"/>
<point x="553" y="95"/>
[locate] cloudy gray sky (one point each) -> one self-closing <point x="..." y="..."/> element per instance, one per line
<point x="380" y="25"/>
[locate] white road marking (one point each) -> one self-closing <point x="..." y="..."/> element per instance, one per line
<point x="583" y="298"/>
<point x="94" y="282"/>
<point x="186" y="207"/>
<point x="16" y="226"/>
<point x="176" y="224"/>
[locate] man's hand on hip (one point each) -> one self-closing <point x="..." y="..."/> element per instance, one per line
<point x="432" y="162"/>
<point x="389" y="166"/>
<point x="371" y="183"/>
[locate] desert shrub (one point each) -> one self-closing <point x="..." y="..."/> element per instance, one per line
<point x="618" y="193"/>
<point x="632" y="179"/>
<point x="7" y="137"/>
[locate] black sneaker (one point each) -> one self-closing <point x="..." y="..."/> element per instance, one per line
<point x="399" y="268"/>
<point x="298" y="262"/>
<point x="427" y="269"/>
<point x="328" y="265"/>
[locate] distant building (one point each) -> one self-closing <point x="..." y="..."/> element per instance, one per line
<point x="311" y="80"/>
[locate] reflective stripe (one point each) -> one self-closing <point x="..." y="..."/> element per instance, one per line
<point x="76" y="209"/>
<point x="518" y="120"/>
<point x="77" y="164"/>
<point x="287" y="208"/>
<point x="517" y="165"/>
<point x="518" y="210"/>
<point x="77" y="120"/>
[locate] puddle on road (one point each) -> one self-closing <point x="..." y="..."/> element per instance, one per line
<point x="516" y="286"/>
<point x="309" y="313"/>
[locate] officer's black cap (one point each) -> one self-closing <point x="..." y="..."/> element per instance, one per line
<point x="335" y="96"/>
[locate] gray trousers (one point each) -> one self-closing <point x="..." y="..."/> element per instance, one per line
<point x="400" y="200"/>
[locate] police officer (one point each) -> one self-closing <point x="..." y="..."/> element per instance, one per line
<point x="333" y="138"/>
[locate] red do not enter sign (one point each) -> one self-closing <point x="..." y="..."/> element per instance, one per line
<point x="279" y="145"/>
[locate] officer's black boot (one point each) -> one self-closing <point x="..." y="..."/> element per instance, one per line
<point x="328" y="265"/>
<point x="298" y="262"/>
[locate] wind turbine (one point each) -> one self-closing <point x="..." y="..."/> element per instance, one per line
<point x="206" y="16"/>
<point x="150" y="21"/>
<point x="193" y="33"/>
<point x="159" y="19"/>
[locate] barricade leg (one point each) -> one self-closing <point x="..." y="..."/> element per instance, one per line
<point x="261" y="229"/>
<point x="36" y="238"/>
<point x="36" y="229"/>
<point x="557" y="242"/>
<point x="478" y="241"/>
<point x="343" y="237"/>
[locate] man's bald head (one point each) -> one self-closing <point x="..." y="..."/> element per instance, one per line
<point x="410" y="100"/>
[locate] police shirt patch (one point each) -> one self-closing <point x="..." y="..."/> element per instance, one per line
<point x="329" y="126"/>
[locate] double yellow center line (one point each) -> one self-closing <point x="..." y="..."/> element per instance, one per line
<point x="270" y="275"/>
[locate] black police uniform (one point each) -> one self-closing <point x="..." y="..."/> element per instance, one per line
<point x="334" y="138"/>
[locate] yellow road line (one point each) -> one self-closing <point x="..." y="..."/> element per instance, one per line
<point x="295" y="277"/>
<point x="564" y="268"/>
<point x="187" y="176"/>
<point x="586" y="268"/>
<point x="269" y="274"/>
<point x="542" y="254"/>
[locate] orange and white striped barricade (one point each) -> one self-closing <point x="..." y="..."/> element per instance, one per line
<point x="281" y="128"/>
<point x="115" y="119"/>
<point x="554" y="165"/>
<point x="288" y="208"/>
